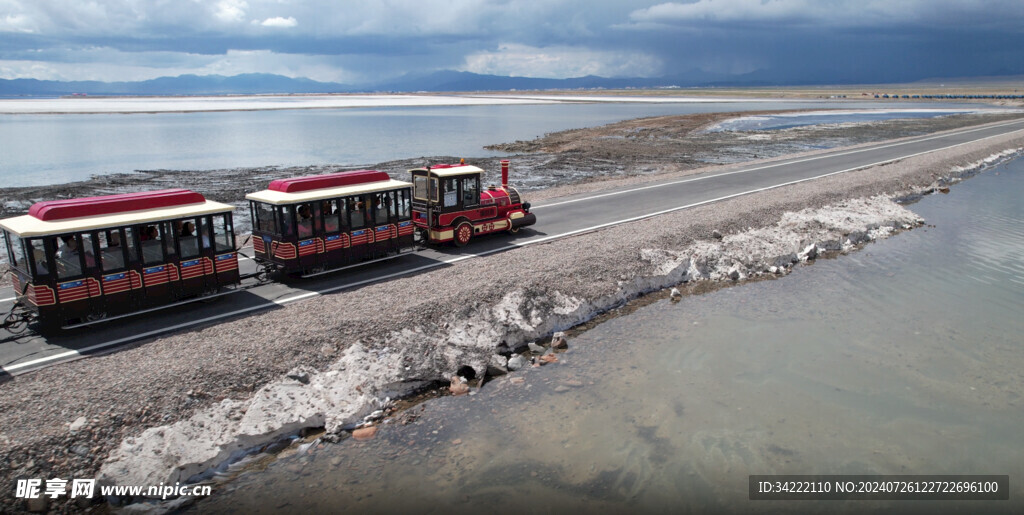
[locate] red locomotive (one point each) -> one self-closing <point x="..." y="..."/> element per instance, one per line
<point x="448" y="204"/>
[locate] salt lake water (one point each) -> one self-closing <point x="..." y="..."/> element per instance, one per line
<point x="57" y="148"/>
<point x="903" y="358"/>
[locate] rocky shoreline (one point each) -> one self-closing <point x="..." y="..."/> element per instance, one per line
<point x="147" y="414"/>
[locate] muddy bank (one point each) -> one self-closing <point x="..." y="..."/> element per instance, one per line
<point x="172" y="406"/>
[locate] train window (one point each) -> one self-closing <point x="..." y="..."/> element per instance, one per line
<point x="88" y="250"/>
<point x="111" y="250"/>
<point x="286" y="220"/>
<point x="15" y="254"/>
<point x="368" y="202"/>
<point x="404" y="206"/>
<point x="130" y="244"/>
<point x="470" y="191"/>
<point x="151" y="239"/>
<point x="167" y="233"/>
<point x="381" y="207"/>
<point x="265" y="218"/>
<point x="37" y="254"/>
<point x="223" y="237"/>
<point x="356" y="211"/>
<point x="451" y="193"/>
<point x="419" y="184"/>
<point x="304" y="220"/>
<point x="69" y="256"/>
<point x="204" y="232"/>
<point x="433" y="193"/>
<point x="331" y="214"/>
<point x="188" y="240"/>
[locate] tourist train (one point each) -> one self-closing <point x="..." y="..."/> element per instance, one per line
<point x="80" y="261"/>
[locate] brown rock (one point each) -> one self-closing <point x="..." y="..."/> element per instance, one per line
<point x="365" y="433"/>
<point x="548" y="358"/>
<point x="458" y="387"/>
<point x="558" y="341"/>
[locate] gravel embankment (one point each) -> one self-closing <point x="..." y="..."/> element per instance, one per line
<point x="352" y="343"/>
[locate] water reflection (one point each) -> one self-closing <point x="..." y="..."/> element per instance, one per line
<point x="904" y="358"/>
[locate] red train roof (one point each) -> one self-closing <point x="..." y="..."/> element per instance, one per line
<point x="330" y="180"/>
<point x="51" y="210"/>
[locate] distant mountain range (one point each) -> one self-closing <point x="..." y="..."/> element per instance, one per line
<point x="257" y="83"/>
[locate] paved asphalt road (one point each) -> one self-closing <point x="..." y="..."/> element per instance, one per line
<point x="556" y="218"/>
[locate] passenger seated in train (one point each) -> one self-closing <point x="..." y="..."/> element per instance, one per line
<point x="305" y="221"/>
<point x="187" y="240"/>
<point x="67" y="257"/>
<point x="330" y="216"/>
<point x="69" y="246"/>
<point x="151" y="252"/>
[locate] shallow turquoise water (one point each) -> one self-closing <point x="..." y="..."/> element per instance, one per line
<point x="903" y="358"/>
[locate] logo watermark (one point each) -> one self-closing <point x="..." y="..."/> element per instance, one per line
<point x="85" y="488"/>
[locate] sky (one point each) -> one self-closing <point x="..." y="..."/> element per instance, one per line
<point x="360" y="42"/>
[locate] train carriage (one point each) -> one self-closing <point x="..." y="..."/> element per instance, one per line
<point x="82" y="260"/>
<point x="450" y="206"/>
<point x="305" y="225"/>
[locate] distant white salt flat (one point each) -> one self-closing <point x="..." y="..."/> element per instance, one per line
<point x="642" y="99"/>
<point x="87" y="105"/>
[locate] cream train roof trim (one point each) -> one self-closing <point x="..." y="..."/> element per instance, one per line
<point x="455" y="170"/>
<point x="28" y="226"/>
<point x="282" y="198"/>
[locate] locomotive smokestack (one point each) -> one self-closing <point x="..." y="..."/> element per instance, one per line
<point x="504" y="174"/>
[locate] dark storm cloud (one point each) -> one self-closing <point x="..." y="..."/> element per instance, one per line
<point x="831" y="40"/>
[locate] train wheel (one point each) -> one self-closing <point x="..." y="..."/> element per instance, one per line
<point x="463" y="233"/>
<point x="513" y="230"/>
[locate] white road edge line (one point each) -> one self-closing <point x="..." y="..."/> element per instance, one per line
<point x="288" y="300"/>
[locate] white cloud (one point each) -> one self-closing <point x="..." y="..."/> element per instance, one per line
<point x="231" y="10"/>
<point x="16" y="23"/>
<point x="279" y="22"/>
<point x="560" y="62"/>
